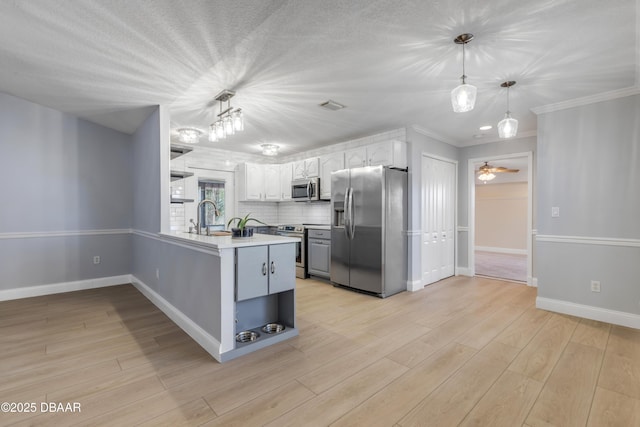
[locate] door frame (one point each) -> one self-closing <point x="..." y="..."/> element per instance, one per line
<point x="471" y="179"/>
<point x="455" y="211"/>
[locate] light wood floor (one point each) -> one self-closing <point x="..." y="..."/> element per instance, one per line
<point x="461" y="352"/>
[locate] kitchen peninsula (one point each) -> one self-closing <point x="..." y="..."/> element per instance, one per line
<point x="250" y="284"/>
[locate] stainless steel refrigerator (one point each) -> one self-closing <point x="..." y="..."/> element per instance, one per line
<point x="368" y="229"/>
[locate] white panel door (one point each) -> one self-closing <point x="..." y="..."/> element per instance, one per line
<point x="438" y="219"/>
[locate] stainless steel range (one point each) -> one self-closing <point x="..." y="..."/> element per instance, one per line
<point x="301" y="252"/>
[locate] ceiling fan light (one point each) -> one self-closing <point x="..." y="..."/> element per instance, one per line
<point x="507" y="127"/>
<point x="463" y="98"/>
<point x="486" y="176"/>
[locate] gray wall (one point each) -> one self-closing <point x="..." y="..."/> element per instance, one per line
<point x="61" y="174"/>
<point x="589" y="167"/>
<point x="146" y="175"/>
<point x="184" y="277"/>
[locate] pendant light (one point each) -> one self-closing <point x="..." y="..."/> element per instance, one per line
<point x="463" y="97"/>
<point x="507" y="127"/>
<point x="229" y="120"/>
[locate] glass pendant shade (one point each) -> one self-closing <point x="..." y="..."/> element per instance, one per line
<point x="463" y="98"/>
<point x="228" y="125"/>
<point x="212" y="133"/>
<point x="238" y="121"/>
<point x="220" y="133"/>
<point x="507" y="127"/>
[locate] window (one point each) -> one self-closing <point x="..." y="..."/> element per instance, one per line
<point x="212" y="190"/>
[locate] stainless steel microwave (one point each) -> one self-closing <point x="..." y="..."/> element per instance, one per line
<point x="304" y="190"/>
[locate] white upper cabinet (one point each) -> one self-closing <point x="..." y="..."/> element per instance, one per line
<point x="249" y="181"/>
<point x="307" y="168"/>
<point x="329" y="163"/>
<point x="386" y="153"/>
<point x="286" y="176"/>
<point x="271" y="183"/>
<point x="355" y="157"/>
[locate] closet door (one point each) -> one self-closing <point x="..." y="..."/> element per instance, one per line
<point x="438" y="219"/>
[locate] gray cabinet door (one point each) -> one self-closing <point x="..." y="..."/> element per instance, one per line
<point x="252" y="272"/>
<point x="282" y="267"/>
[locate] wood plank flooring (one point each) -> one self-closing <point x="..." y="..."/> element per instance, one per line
<point x="464" y="351"/>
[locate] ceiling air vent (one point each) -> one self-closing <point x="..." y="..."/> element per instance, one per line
<point x="332" y="105"/>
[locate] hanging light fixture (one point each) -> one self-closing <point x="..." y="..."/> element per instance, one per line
<point x="269" y="149"/>
<point x="229" y="120"/>
<point x="463" y="97"/>
<point x="189" y="135"/>
<point x="507" y="127"/>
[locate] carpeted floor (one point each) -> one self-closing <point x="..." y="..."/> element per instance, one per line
<point x="501" y="266"/>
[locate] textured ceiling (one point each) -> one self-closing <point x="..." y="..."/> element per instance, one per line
<point x="392" y="63"/>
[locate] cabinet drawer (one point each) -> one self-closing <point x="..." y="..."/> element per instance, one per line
<point x="319" y="234"/>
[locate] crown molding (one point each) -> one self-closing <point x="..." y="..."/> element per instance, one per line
<point x="480" y="141"/>
<point x="431" y="134"/>
<point x="587" y="100"/>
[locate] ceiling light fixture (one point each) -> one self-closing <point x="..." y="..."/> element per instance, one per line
<point x="486" y="176"/>
<point x="229" y="120"/>
<point x="189" y="135"/>
<point x="463" y="97"/>
<point x="508" y="127"/>
<point x="269" y="149"/>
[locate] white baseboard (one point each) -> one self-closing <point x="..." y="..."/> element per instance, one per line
<point x="501" y="250"/>
<point x="463" y="271"/>
<point x="414" y="285"/>
<point x="621" y="318"/>
<point x="57" y="288"/>
<point x="533" y="281"/>
<point x="202" y="337"/>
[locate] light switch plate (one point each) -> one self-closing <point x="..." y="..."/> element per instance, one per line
<point x="555" y="212"/>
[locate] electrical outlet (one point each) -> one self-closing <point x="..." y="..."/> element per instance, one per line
<point x="96" y="259"/>
<point x="555" y="212"/>
<point x="595" y="286"/>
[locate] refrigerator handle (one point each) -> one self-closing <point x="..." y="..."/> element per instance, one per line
<point x="352" y="227"/>
<point x="346" y="213"/>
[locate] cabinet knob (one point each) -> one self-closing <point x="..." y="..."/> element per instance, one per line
<point x="264" y="268"/>
<point x="273" y="268"/>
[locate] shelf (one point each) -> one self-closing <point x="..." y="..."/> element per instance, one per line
<point x="178" y="200"/>
<point x="179" y="150"/>
<point x="176" y="175"/>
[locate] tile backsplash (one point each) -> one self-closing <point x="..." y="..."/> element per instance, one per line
<point x="304" y="212"/>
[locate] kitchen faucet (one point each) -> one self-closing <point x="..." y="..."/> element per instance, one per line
<point x="216" y="213"/>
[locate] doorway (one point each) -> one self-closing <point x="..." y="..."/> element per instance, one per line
<point x="439" y="183"/>
<point x="500" y="218"/>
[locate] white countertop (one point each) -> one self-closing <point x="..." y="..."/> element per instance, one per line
<point x="317" y="227"/>
<point x="224" y="242"/>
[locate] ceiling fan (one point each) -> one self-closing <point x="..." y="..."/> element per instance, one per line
<point x="487" y="172"/>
